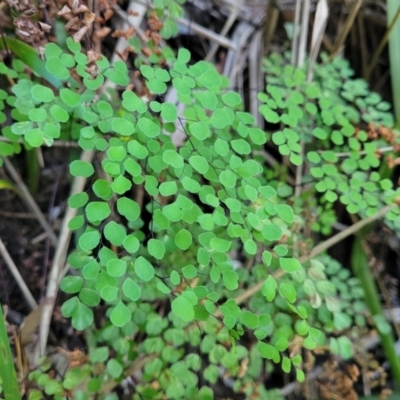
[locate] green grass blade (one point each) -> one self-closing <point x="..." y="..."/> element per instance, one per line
<point x="29" y="56"/>
<point x="394" y="56"/>
<point x="359" y="261"/>
<point x="7" y="370"/>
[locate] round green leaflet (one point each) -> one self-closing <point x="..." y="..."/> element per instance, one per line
<point x="258" y="136"/>
<point x="250" y="246"/>
<point x="160" y="219"/>
<point x="155" y="106"/>
<point x="285" y="212"/>
<point x="163" y="288"/>
<point x="320" y="133"/>
<point x="81" y="168"/>
<point x="208" y="99"/>
<point x="169" y="29"/>
<point x="114" y="368"/>
<point x="232" y="99"/>
<point x="128" y="208"/>
<point x="6" y="149"/>
<point x="91" y="270"/>
<point x="200" y="130"/>
<point x="220" y="245"/>
<point x="172" y="212"/>
<point x="132" y="102"/>
<point x="105" y="109"/>
<point x="230" y="279"/>
<point x="266" y="350"/>
<point x="42" y="93"/>
<point x="59" y="114"/>
<point x="199" y="163"/>
<point x="97" y="211"/>
<point x="251" y="193"/>
<point x="183" y="308"/>
<point x="69" y="307"/>
<point x="121" y="185"/>
<point x="191" y="185"/>
<point x="116" y="153"/>
<point x="210" y="79"/>
<point x="119" y="78"/>
<point x="131" y="244"/>
<point x="300" y="376"/>
<point x="52" y="50"/>
<point x="147" y="71"/>
<point x="116" y="268"/>
<point x="156" y="248"/>
<point x="109" y="293"/>
<point x="89" y="240"/>
<point x="133" y="168"/>
<point x="34" y="137"/>
<point x="281" y="250"/>
<point x="89" y="297"/>
<point x="221" y="147"/>
<point x="78" y="200"/>
<point x="137" y="150"/>
<point x="206" y="222"/>
<point x="169" y="112"/>
<point x="189" y="271"/>
<point x="88" y="132"/>
<point x="229" y="321"/>
<point x="271" y="232"/>
<point x="245" y="117"/>
<point x="241" y="146"/>
<point x="150" y="185"/>
<point x="228" y="179"/>
<point x="144" y="270"/>
<point x="249" y="319"/>
<point x="148" y="127"/>
<point x="122" y="126"/>
<point x="76" y="222"/>
<point x="55" y="66"/>
<point x="269" y="288"/>
<point x="93" y="83"/>
<point x="120" y="315"/>
<point x="71" y="284"/>
<point x="290" y="265"/>
<point x="172" y="158"/>
<point x="115" y="233"/>
<point x="175" y="278"/>
<point x="168" y="188"/>
<point x="184" y="55"/>
<point x="82" y="317"/>
<point x="288" y="291"/>
<point x="220" y="119"/>
<point x="233" y="204"/>
<point x="131" y="289"/>
<point x="102" y="189"/>
<point x="68" y="60"/>
<point x="183" y="239"/>
<point x="162" y="75"/>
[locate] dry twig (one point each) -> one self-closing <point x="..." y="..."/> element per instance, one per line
<point x="58" y="261"/>
<point x="27" y="197"/>
<point x="17" y="276"/>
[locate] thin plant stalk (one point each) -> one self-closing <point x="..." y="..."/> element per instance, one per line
<point x="7" y="369"/>
<point x="359" y="257"/>
<point x="346" y="28"/>
<point x="382" y="45"/>
<point x="394" y="56"/>
<point x="33" y="170"/>
<point x="361" y="269"/>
